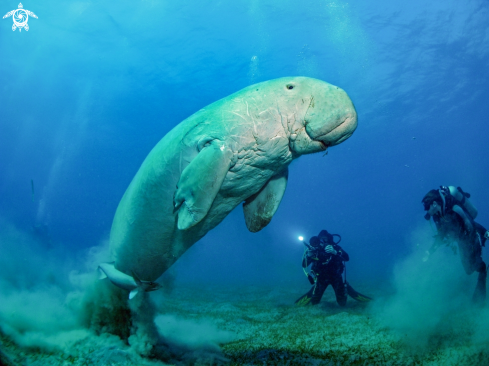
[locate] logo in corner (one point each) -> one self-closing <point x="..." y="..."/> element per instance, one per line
<point x="20" y="17"/>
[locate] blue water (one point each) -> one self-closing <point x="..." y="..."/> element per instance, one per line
<point x="92" y="86"/>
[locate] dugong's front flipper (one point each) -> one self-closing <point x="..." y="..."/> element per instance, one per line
<point x="260" y="208"/>
<point x="200" y="182"/>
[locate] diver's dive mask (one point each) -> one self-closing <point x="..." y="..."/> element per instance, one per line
<point x="329" y="239"/>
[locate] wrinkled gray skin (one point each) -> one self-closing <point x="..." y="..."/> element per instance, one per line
<point x="235" y="150"/>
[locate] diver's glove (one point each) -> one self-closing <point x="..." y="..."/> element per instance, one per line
<point x="330" y="249"/>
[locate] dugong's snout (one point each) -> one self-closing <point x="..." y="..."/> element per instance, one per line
<point x="331" y="117"/>
<point x="338" y="134"/>
<point x="151" y="286"/>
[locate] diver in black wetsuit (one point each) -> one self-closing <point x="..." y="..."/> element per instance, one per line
<point x="454" y="217"/>
<point x="327" y="258"/>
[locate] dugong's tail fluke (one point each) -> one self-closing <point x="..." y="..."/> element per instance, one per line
<point x="130" y="283"/>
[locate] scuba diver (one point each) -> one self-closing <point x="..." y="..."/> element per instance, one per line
<point x="327" y="259"/>
<point x="453" y="215"/>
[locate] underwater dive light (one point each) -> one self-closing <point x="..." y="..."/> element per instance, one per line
<point x="301" y="238"/>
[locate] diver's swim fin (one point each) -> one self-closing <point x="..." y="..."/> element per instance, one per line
<point x="356" y="295"/>
<point x="304" y="300"/>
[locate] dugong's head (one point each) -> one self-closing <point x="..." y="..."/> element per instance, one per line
<point x="323" y="114"/>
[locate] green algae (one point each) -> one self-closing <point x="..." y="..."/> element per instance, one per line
<point x="265" y="328"/>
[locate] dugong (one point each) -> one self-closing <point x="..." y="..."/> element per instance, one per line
<point x="235" y="150"/>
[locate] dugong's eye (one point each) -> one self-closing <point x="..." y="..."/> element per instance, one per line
<point x="289" y="86"/>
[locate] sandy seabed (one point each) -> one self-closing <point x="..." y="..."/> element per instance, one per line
<point x="203" y="325"/>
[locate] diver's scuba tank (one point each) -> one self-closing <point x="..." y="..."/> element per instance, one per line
<point x="461" y="197"/>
